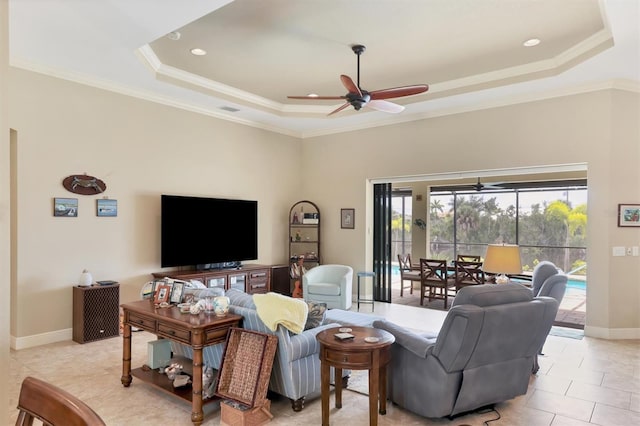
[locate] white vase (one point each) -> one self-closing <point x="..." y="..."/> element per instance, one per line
<point x="221" y="305"/>
<point x="85" y="279"/>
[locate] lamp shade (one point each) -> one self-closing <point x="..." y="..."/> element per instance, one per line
<point x="502" y="259"/>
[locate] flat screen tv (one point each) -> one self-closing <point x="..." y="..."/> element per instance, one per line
<point x="207" y="232"/>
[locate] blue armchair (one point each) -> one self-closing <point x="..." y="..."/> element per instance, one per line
<point x="330" y="284"/>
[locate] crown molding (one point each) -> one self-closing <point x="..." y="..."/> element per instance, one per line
<point x="625" y="85"/>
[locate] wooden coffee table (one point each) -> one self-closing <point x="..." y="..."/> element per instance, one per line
<point x="355" y="354"/>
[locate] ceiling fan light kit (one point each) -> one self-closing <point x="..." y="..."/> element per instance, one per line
<point x="359" y="98"/>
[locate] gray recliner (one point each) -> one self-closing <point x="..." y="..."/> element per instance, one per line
<point x="547" y="280"/>
<point x="482" y="355"/>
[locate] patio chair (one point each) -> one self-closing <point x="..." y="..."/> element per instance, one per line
<point x="408" y="272"/>
<point x="468" y="273"/>
<point x="434" y="275"/>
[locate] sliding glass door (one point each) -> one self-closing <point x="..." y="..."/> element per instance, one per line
<point x="382" y="241"/>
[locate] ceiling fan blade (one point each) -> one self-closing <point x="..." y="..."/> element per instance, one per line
<point x="316" y="97"/>
<point x="398" y="92"/>
<point x="385" y="106"/>
<point x="348" y="83"/>
<point x="346" y="104"/>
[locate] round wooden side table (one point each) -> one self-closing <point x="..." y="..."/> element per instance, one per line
<point x="361" y="352"/>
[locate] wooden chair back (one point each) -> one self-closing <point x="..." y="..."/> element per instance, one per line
<point x="407" y="272"/>
<point x="468" y="258"/>
<point x="52" y="406"/>
<point x="469" y="273"/>
<point x="404" y="260"/>
<point x="433" y="271"/>
<point x="434" y="275"/>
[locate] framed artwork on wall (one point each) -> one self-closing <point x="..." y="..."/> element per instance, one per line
<point x="106" y="207"/>
<point x="347" y="218"/>
<point x="65" y="207"/>
<point x="629" y="215"/>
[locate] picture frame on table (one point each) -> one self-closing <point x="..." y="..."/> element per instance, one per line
<point x="629" y="215"/>
<point x="347" y="218"/>
<point x="177" y="292"/>
<point x="162" y="294"/>
<point x="155" y="285"/>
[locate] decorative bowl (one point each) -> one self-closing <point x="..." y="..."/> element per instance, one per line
<point x="184" y="307"/>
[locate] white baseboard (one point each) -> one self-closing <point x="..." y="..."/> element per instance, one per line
<point x="18" y="343"/>
<point x="612" y="333"/>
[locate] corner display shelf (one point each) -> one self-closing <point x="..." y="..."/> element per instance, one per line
<point x="304" y="239"/>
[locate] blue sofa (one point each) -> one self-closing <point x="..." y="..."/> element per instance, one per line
<point x="296" y="367"/>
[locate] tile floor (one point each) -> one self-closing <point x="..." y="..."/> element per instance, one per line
<point x="581" y="382"/>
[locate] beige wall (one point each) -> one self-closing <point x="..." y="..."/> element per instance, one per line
<point x="5" y="260"/>
<point x="599" y="129"/>
<point x="141" y="150"/>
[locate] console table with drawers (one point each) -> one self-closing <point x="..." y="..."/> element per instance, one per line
<point x="250" y="278"/>
<point x="197" y="331"/>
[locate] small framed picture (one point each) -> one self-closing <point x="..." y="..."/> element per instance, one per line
<point x="163" y="292"/>
<point x="629" y="215"/>
<point x="107" y="207"/>
<point x="347" y="218"/>
<point x="65" y="207"/>
<point x="176" y="292"/>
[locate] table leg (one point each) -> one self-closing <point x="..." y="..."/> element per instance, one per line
<point x="383" y="389"/>
<point x="325" y="373"/>
<point x="126" y="356"/>
<point x="338" y="380"/>
<point x="373" y="396"/>
<point x="197" y="415"/>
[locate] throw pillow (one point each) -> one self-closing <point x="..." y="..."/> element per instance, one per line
<point x="316" y="315"/>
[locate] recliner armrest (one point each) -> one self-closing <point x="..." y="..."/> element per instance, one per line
<point x="411" y="341"/>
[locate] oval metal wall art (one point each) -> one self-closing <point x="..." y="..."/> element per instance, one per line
<point x="84" y="184"/>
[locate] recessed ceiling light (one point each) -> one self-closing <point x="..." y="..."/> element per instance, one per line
<point x="198" y="52"/>
<point x="531" y="42"/>
<point x="174" y="35"/>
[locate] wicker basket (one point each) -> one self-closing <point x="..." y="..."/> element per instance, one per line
<point x="233" y="414"/>
<point x="246" y="367"/>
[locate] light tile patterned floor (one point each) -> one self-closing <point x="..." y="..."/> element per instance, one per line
<point x="581" y="382"/>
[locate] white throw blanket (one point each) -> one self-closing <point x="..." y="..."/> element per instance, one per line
<point x="274" y="309"/>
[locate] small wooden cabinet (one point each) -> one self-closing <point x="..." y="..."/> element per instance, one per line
<point x="96" y="312"/>
<point x="249" y="278"/>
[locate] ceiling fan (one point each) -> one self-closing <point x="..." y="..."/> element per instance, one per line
<point x="479" y="186"/>
<point x="359" y="98"/>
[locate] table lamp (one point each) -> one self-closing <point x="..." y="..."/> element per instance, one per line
<point x="502" y="259"/>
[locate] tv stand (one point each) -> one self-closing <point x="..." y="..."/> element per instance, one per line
<point x="250" y="278"/>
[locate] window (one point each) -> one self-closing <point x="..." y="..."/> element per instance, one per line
<point x="546" y="219"/>
<point x="401" y="208"/>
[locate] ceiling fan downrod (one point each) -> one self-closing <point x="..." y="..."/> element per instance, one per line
<point x="358" y="49"/>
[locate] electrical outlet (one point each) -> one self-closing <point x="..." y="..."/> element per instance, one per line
<point x="635" y="251"/>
